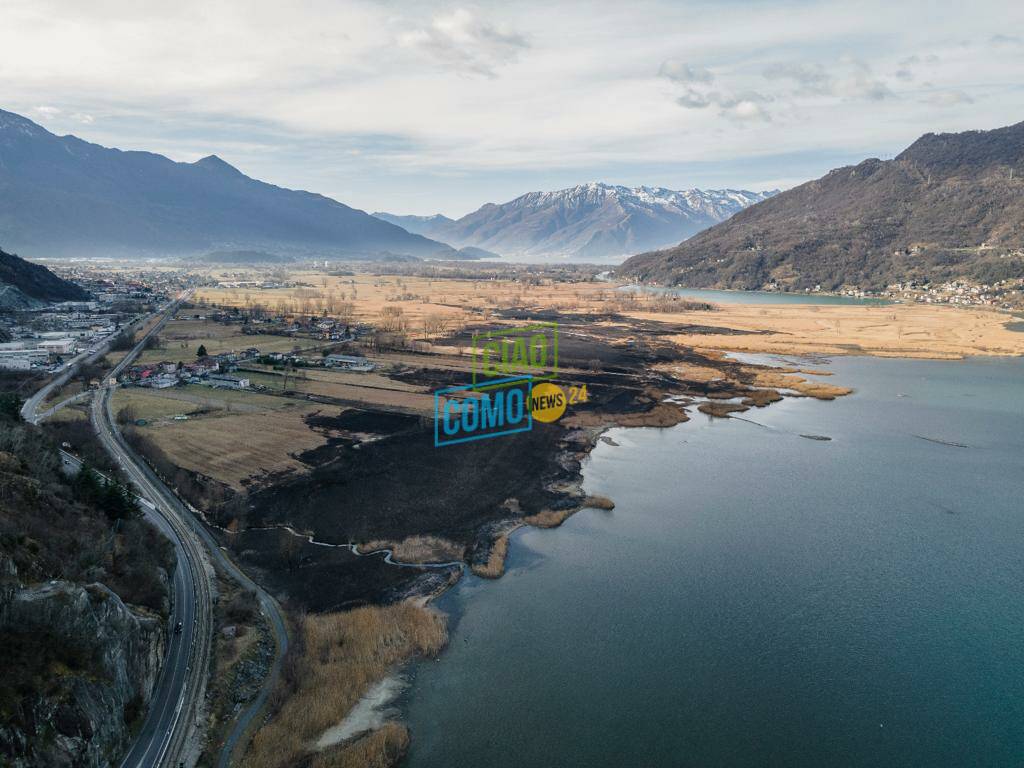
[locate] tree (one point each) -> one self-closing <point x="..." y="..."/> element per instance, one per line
<point x="10" y="406"/>
<point x="201" y="352"/>
<point x="111" y="497"/>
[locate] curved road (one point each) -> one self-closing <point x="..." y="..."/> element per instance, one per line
<point x="29" y="411"/>
<point x="174" y="704"/>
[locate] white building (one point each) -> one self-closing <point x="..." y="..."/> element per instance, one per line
<point x="348" y="363"/>
<point x="224" y="380"/>
<point x="58" y="346"/>
<point x="22" y="359"/>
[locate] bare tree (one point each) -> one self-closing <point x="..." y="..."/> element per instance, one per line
<point x="392" y="320"/>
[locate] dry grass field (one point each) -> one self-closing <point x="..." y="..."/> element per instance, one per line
<point x="905" y="330"/>
<point x="235" y="448"/>
<point x="377" y="391"/>
<point x="899" y="330"/>
<point x="148" y="404"/>
<point x="423" y="301"/>
<point x="231" y="436"/>
<point x="182" y="338"/>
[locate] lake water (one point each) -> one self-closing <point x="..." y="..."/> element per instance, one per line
<point x="753" y="297"/>
<point x="761" y="599"/>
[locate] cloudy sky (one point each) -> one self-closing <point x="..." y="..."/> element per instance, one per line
<point x="420" y="107"/>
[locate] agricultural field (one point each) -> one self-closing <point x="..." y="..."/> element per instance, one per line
<point x="234" y="437"/>
<point x="181" y="339"/>
<point x="372" y="390"/>
<point x="429" y="307"/>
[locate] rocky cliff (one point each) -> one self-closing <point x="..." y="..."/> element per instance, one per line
<point x="86" y="664"/>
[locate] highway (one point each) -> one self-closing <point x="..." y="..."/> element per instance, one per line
<point x="177" y="520"/>
<point x="30" y="410"/>
<point x="179" y="690"/>
<point x="162" y="740"/>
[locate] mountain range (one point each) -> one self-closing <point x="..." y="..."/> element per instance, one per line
<point x="589" y="221"/>
<point x="951" y="205"/>
<point x="24" y="284"/>
<point x="65" y="196"/>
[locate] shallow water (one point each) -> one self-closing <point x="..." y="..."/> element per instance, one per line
<point x="753" y="297"/>
<point x="760" y="599"/>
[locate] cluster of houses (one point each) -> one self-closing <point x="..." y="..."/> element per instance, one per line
<point x="1004" y="293"/>
<point x="221" y="370"/>
<point x="325" y="329"/>
<point x="338" y="362"/>
<point x="212" y="371"/>
<point x="46" y="336"/>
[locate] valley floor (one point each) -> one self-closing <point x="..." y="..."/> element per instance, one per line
<point x="307" y="479"/>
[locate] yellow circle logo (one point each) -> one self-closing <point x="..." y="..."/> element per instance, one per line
<point x="547" y="402"/>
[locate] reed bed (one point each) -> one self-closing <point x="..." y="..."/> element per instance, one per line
<point x="339" y="656"/>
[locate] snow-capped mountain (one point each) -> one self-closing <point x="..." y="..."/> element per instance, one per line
<point x="589" y="221"/>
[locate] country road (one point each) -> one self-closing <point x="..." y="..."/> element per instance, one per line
<point x="179" y="690"/>
<point x="162" y="740"/>
<point x="189" y="534"/>
<point x="173" y="709"/>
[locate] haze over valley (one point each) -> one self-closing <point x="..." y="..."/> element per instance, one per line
<point x="409" y="385"/>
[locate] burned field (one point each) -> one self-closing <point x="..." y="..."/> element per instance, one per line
<point x="379" y="478"/>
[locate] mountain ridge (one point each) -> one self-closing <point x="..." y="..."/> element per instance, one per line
<point x="23" y="283"/>
<point x="949" y="206"/>
<point x="591" y="220"/>
<point x="66" y="196"/>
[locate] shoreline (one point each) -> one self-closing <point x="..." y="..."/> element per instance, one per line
<point x="699" y="378"/>
<point x="578" y="443"/>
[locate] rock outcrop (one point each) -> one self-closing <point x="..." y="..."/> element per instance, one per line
<point x="87" y="665"/>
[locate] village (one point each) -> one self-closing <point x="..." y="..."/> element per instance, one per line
<point x="221" y="369"/>
<point x="1002" y="294"/>
<point x="48" y="337"/>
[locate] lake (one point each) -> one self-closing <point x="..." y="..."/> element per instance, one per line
<point x="752" y="297"/>
<point x="761" y="599"/>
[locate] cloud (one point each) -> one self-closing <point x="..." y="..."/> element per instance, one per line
<point x="45" y="111"/>
<point x="1002" y="39"/>
<point x="907" y="61"/>
<point x="745" y="107"/>
<point x="746" y="111"/>
<point x="463" y="41"/>
<point x="851" y="78"/>
<point x="810" y="77"/>
<point x="947" y="98"/>
<point x="289" y="92"/>
<point x="50" y="113"/>
<point x="692" y="99"/>
<point x="680" y="72"/>
<point x="860" y="83"/>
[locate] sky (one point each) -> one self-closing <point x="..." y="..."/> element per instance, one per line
<point x="424" y="107"/>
